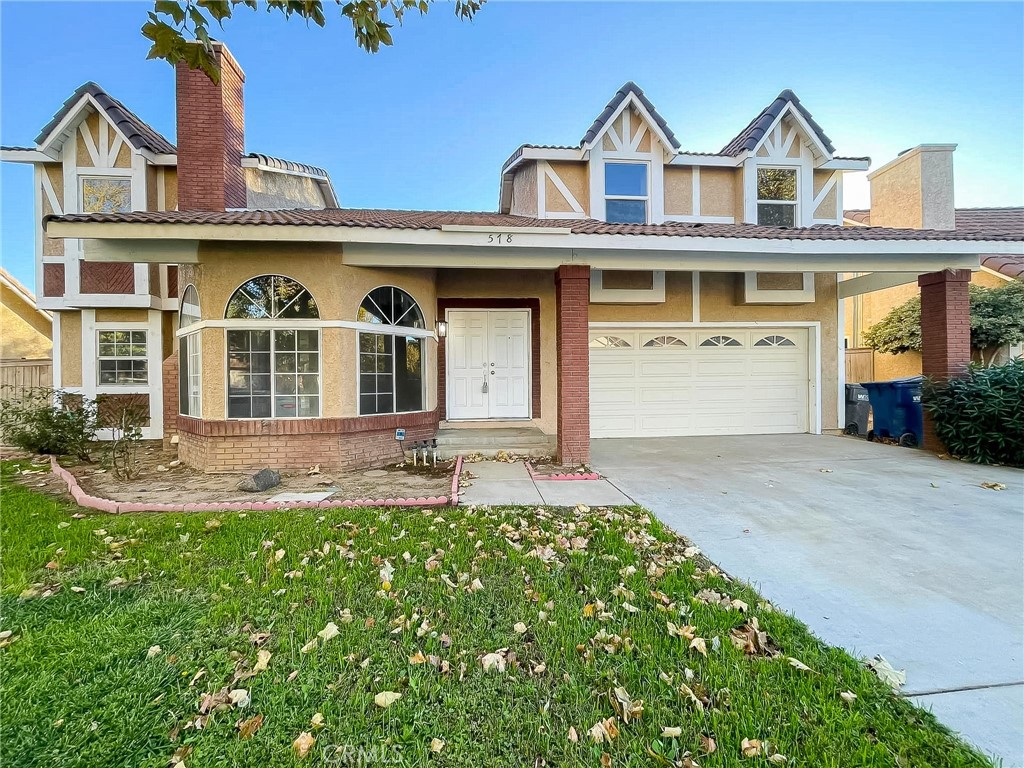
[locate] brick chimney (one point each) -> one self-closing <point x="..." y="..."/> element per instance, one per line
<point x="211" y="136"/>
<point x="915" y="190"/>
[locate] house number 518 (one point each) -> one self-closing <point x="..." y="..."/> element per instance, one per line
<point x="499" y="239"/>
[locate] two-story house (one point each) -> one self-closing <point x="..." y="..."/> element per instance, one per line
<point x="626" y="287"/>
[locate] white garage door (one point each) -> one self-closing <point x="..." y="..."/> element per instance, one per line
<point x="711" y="381"/>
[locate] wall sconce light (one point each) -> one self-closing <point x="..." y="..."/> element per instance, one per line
<point x="442" y="329"/>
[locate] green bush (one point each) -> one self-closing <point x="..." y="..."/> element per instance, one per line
<point x="980" y="417"/>
<point x="45" y="420"/>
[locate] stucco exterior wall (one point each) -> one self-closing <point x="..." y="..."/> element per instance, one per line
<point x="338" y="291"/>
<point x="524" y="190"/>
<point x="576" y="179"/>
<point x="520" y="284"/>
<point x="678" y="191"/>
<point x="828" y="207"/>
<point x="718" y="192"/>
<point x="116" y="315"/>
<point x="24" y="333"/>
<point x="71" y="349"/>
<point x="677" y="307"/>
<point x="270" y="191"/>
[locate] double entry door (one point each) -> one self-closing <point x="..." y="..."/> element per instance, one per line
<point x="488" y="364"/>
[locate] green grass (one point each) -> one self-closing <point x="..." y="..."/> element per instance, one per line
<point x="80" y="659"/>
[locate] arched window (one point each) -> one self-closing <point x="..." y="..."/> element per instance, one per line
<point x="271" y="297"/>
<point x="190" y="380"/>
<point x="720" y="341"/>
<point x="188" y="311"/>
<point x="665" y="341"/>
<point x="390" y="360"/>
<point x="608" y="342"/>
<point x="273" y="369"/>
<point x="774" y="341"/>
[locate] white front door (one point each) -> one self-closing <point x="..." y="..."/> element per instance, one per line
<point x="488" y="362"/>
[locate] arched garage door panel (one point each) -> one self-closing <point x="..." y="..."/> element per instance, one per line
<point x="738" y="381"/>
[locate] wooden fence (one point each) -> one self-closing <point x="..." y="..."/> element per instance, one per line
<point x="18" y="376"/>
<point x="860" y="365"/>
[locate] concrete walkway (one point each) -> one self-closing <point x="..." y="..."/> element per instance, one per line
<point x="878" y="549"/>
<point x="499" y="482"/>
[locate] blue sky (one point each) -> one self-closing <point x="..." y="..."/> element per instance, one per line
<point x="428" y="123"/>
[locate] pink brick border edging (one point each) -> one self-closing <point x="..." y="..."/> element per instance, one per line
<point x="562" y="475"/>
<point x="114" y="507"/>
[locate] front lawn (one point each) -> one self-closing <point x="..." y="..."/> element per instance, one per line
<point x="514" y="637"/>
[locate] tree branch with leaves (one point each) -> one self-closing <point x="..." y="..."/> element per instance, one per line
<point x="997" y="320"/>
<point x="180" y="29"/>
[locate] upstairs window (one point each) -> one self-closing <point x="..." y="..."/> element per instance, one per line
<point x="106" y="194"/>
<point x="776" y="197"/>
<point x="626" y="193"/>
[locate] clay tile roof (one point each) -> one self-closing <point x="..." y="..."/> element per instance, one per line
<point x="984" y="221"/>
<point x="139" y="133"/>
<point x="747" y="139"/>
<point x="434" y="220"/>
<point x="860" y="215"/>
<point x="288" y="165"/>
<point x="1011" y="266"/>
<point x="617" y="99"/>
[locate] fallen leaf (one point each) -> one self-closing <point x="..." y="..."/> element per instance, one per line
<point x="606" y="760"/>
<point x="317" y="720"/>
<point x="573" y="735"/>
<point x="848" y="696"/>
<point x="329" y="632"/>
<point x="262" y="661"/>
<point x="154" y="650"/>
<point x="493" y="661"/>
<point x="708" y="744"/>
<point x="246" y="728"/>
<point x="673" y="732"/>
<point x="436" y="745"/>
<point x="213" y="525"/>
<point x="520" y="628"/>
<point x="994" y="486"/>
<point x="310" y="646"/>
<point x="385" y="699"/>
<point x="603" y="730"/>
<point x="699" y="645"/>
<point x="418" y="658"/>
<point x="886" y="673"/>
<point x="777" y="758"/>
<point x="476" y="585"/>
<point x="239" y="697"/>
<point x="750" y="747"/>
<point x="303" y="744"/>
<point x="797" y="664"/>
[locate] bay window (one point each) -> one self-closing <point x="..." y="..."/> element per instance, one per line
<point x="391" y="360"/>
<point x="273" y="368"/>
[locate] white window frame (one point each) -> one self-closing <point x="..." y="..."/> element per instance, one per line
<point x="795" y="202"/>
<point x="645" y="198"/>
<point x="273" y="326"/>
<point x="105" y="174"/>
<point x="392" y="331"/>
<point x="117" y="386"/>
<point x="194" y="367"/>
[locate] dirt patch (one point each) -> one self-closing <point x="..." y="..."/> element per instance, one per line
<point x="172" y="484"/>
<point x="546" y="465"/>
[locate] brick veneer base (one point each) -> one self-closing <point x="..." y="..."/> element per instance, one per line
<point x="249" y="445"/>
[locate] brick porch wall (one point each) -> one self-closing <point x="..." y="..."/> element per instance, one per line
<point x="945" y="332"/>
<point x="249" y="445"/>
<point x="572" y="301"/>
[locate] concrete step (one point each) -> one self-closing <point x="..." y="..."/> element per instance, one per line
<point x="487" y="442"/>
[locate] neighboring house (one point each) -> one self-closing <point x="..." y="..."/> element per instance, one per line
<point x="627" y="287"/>
<point x="916" y="190"/>
<point x="25" y="330"/>
<point x="113" y="323"/>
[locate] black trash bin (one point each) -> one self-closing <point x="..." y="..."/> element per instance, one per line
<point x="858" y="406"/>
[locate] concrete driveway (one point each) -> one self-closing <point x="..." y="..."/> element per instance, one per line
<point x="890" y="551"/>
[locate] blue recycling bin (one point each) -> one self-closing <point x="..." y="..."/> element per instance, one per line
<point x="896" y="407"/>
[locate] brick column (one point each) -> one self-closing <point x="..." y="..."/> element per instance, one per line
<point x="170" y="404"/>
<point x="945" y="331"/>
<point x="572" y="300"/>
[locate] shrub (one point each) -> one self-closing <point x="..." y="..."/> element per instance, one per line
<point x="44" y="420"/>
<point x="121" y="452"/>
<point x="979" y="417"/>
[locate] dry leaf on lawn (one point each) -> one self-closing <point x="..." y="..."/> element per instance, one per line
<point x="385" y="699"/>
<point x="493" y="661"/>
<point x="303" y="744"/>
<point x="317" y="720"/>
<point x="246" y="728"/>
<point x="154" y="650"/>
<point x="436" y="745"/>
<point x="603" y="730"/>
<point x="329" y="632"/>
<point x="418" y="658"/>
<point x="520" y="628"/>
<point x="699" y="645"/>
<point x="797" y="664"/>
<point x="310" y="646"/>
<point x="239" y="697"/>
<point x="886" y="673"/>
<point x="262" y="660"/>
<point x="848" y="696"/>
<point x="708" y="744"/>
<point x="750" y="747"/>
<point x="673" y="732"/>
